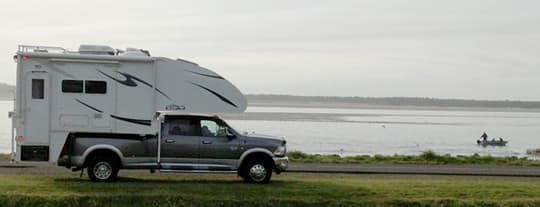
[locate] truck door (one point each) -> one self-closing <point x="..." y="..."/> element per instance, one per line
<point x="37" y="98"/>
<point x="180" y="143"/>
<point x="217" y="151"/>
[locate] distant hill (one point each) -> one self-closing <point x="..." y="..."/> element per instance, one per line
<point x="6" y="91"/>
<point x="370" y="102"/>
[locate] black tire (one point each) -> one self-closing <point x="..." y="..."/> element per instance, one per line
<point x="256" y="171"/>
<point x="102" y="169"/>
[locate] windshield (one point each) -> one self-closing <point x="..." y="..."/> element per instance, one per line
<point x="235" y="128"/>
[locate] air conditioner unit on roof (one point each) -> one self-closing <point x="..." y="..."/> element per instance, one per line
<point x="96" y="50"/>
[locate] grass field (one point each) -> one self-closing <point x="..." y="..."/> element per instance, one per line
<point x="427" y="157"/>
<point x="5" y="156"/>
<point x="286" y="190"/>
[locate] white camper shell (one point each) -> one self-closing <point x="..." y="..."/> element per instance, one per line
<point x="104" y="90"/>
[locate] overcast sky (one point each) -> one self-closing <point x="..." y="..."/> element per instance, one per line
<point x="433" y="48"/>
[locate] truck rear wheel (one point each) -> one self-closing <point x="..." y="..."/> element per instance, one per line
<point x="256" y="171"/>
<point x="102" y="169"/>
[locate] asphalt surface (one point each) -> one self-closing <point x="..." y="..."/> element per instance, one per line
<point x="40" y="168"/>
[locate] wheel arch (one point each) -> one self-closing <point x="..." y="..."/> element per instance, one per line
<point x="103" y="148"/>
<point x="256" y="152"/>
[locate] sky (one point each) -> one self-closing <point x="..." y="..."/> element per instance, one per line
<point x="481" y="49"/>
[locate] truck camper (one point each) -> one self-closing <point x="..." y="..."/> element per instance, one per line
<point x="109" y="95"/>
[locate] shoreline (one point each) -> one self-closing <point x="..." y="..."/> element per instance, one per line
<point x="337" y="105"/>
<point x="344" y="105"/>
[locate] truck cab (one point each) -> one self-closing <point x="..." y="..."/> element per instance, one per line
<point x="183" y="143"/>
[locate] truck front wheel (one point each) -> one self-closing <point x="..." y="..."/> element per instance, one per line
<point x="102" y="169"/>
<point x="256" y="171"/>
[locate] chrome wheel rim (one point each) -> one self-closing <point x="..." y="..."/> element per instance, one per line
<point x="257" y="172"/>
<point x="102" y="170"/>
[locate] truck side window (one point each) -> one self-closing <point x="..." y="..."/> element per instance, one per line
<point x="38" y="88"/>
<point x="95" y="87"/>
<point x="210" y="128"/>
<point x="72" y="86"/>
<point x="184" y="127"/>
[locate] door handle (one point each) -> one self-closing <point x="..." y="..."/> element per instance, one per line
<point x="169" y="141"/>
<point x="207" y="142"/>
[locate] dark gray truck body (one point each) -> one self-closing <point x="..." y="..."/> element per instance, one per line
<point x="184" y="144"/>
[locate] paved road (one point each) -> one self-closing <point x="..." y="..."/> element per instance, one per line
<point x="470" y="170"/>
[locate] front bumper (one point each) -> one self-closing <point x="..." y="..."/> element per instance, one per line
<point x="281" y="163"/>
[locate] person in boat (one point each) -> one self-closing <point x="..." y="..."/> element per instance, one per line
<point x="501" y="139"/>
<point x="484" y="137"/>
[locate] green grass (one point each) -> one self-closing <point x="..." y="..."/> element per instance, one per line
<point x="286" y="190"/>
<point x="428" y="157"/>
<point x="5" y="156"/>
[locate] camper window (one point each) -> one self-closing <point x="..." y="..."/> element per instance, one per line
<point x="38" y="91"/>
<point x="99" y="87"/>
<point x="72" y="86"/>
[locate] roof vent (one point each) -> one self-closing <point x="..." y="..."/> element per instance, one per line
<point x="135" y="52"/>
<point x="96" y="50"/>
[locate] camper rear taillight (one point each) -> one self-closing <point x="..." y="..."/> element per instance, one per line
<point x="25" y="57"/>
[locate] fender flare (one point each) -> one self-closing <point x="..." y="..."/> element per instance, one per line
<point x="102" y="147"/>
<point x="251" y="151"/>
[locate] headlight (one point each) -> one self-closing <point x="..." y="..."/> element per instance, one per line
<point x="280" y="151"/>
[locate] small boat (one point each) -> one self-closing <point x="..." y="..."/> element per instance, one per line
<point x="534" y="152"/>
<point x="500" y="142"/>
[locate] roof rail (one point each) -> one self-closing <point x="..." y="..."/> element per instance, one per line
<point x="35" y="48"/>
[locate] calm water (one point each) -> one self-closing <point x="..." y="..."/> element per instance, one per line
<point x="5" y="126"/>
<point x="367" y="131"/>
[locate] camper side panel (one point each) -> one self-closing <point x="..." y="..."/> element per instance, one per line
<point x="83" y="96"/>
<point x="82" y="99"/>
<point x="135" y="98"/>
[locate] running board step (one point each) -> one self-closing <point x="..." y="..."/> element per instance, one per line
<point x="195" y="171"/>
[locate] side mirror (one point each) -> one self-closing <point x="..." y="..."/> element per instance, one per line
<point x="229" y="134"/>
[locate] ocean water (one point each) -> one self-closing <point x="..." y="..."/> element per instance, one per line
<point x="388" y="132"/>
<point x="5" y="126"/>
<point x="374" y="131"/>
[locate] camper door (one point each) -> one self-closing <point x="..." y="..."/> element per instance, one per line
<point x="36" y="117"/>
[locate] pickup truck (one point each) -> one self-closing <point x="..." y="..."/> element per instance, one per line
<point x="184" y="143"/>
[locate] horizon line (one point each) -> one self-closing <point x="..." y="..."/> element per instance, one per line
<point x="383" y="97"/>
